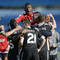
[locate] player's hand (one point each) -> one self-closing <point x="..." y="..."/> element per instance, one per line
<point x="50" y="15"/>
<point x="37" y="29"/>
<point x="54" y="45"/>
<point x="39" y="50"/>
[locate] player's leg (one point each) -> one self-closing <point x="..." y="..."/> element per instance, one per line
<point x="27" y="54"/>
<point x="43" y="54"/>
<point x="0" y="56"/>
<point x="40" y="55"/>
<point x="5" y="56"/>
<point x="21" y="54"/>
<point x="35" y="54"/>
<point x="5" y="53"/>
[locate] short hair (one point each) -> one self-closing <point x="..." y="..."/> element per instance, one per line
<point x="13" y="23"/>
<point x="38" y="13"/>
<point x="25" y="7"/>
<point x="1" y="24"/>
<point x="27" y="4"/>
<point x="40" y="17"/>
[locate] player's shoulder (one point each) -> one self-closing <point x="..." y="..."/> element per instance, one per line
<point x="2" y="36"/>
<point x="21" y="15"/>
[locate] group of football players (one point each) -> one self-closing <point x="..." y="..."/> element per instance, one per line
<point x="36" y="39"/>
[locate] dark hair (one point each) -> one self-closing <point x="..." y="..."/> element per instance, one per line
<point x="27" y="4"/>
<point x="12" y="23"/>
<point x="40" y="17"/>
<point x="0" y="30"/>
<point x="37" y="13"/>
<point x="34" y="15"/>
<point x="1" y="24"/>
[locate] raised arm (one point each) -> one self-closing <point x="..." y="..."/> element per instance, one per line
<point x="12" y="31"/>
<point x="53" y="23"/>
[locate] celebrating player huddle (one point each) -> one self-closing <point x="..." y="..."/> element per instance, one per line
<point x="36" y="39"/>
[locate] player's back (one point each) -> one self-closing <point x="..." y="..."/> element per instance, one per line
<point x="30" y="46"/>
<point x="30" y="39"/>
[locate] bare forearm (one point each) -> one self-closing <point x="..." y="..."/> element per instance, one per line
<point x="21" y="41"/>
<point x="48" y="45"/>
<point x="54" y="22"/>
<point x="10" y="32"/>
<point x="25" y="31"/>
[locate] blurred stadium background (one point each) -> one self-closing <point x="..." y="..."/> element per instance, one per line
<point x="13" y="8"/>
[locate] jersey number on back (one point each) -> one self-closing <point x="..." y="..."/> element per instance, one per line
<point x="32" y="38"/>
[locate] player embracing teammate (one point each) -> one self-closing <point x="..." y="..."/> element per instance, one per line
<point x="35" y="37"/>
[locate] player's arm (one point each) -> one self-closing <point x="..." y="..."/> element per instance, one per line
<point x="25" y="31"/>
<point x="48" y="46"/>
<point x="21" y="41"/>
<point x="42" y="44"/>
<point x="58" y="39"/>
<point x="53" y="23"/>
<point x="19" y="19"/>
<point x="37" y="29"/>
<point x="12" y="31"/>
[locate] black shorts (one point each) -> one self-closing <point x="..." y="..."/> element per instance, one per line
<point x="30" y="54"/>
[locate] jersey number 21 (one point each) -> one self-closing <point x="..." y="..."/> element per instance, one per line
<point x="32" y="38"/>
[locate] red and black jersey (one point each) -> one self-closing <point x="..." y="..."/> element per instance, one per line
<point x="24" y="17"/>
<point x="3" y="42"/>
